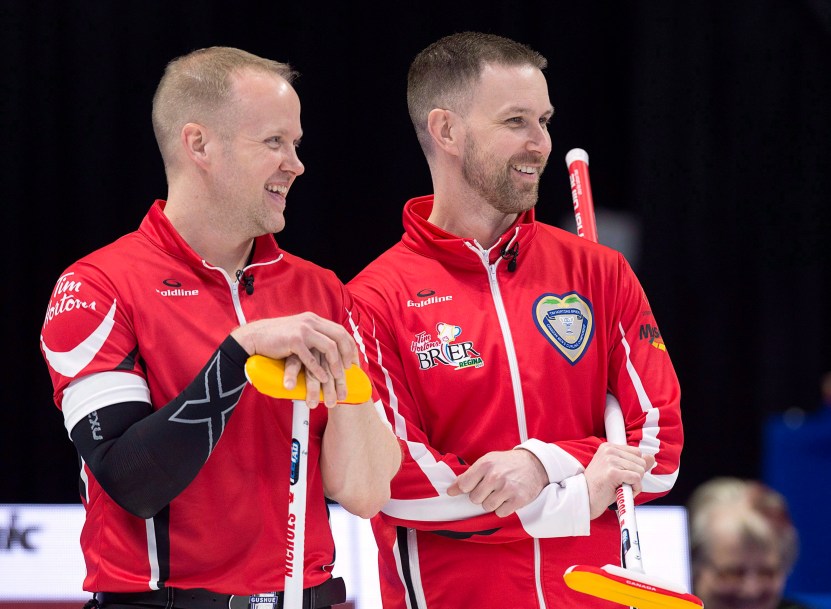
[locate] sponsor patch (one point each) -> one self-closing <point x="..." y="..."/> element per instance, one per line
<point x="427" y="297"/>
<point x="445" y="350"/>
<point x="567" y="322"/>
<point x="428" y="301"/>
<point x="653" y="335"/>
<point x="71" y="362"/>
<point x="66" y="297"/>
<point x="294" y="474"/>
<point x="174" y="288"/>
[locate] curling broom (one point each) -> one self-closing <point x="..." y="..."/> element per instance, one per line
<point x="266" y="375"/>
<point x="629" y="584"/>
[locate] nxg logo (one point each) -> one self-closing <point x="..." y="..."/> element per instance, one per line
<point x="295" y="462"/>
<point x="95" y="425"/>
<point x="14" y="536"/>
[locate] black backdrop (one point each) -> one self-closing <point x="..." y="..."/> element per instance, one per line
<point x="707" y="120"/>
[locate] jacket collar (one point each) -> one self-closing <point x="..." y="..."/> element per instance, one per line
<point x="429" y="240"/>
<point x="157" y="227"/>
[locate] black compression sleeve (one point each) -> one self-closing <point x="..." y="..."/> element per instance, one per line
<point x="142" y="459"/>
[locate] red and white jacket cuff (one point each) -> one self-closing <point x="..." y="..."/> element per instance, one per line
<point x="558" y="464"/>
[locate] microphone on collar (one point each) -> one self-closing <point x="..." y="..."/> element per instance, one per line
<point x="247" y="281"/>
<point x="510" y="254"/>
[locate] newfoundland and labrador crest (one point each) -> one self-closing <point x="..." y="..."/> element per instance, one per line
<point x="567" y="321"/>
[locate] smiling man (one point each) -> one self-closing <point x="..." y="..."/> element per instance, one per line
<point x="493" y="340"/>
<point x="184" y="467"/>
<point x="743" y="545"/>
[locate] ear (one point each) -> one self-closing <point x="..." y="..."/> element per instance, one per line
<point x="445" y="127"/>
<point x="194" y="139"/>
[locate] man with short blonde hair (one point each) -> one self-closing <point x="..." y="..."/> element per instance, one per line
<point x="185" y="467"/>
<point x="198" y="87"/>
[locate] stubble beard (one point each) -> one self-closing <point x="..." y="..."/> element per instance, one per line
<point x="264" y="219"/>
<point x="493" y="181"/>
<point x="244" y="212"/>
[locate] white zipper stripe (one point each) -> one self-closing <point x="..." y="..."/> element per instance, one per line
<point x="400" y="423"/>
<point x="233" y="284"/>
<point x="513" y="366"/>
<point x="509" y="347"/>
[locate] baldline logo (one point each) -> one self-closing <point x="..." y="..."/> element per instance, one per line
<point x="176" y="289"/>
<point x="429" y="301"/>
<point x="178" y="292"/>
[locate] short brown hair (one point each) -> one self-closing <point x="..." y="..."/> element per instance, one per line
<point x="196" y="85"/>
<point x="443" y="74"/>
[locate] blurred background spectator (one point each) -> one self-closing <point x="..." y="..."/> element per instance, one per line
<point x="743" y="545"/>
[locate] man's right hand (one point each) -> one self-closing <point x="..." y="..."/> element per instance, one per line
<point x="324" y="348"/>
<point x="611" y="466"/>
<point x="502" y="481"/>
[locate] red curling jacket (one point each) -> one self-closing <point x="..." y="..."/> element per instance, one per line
<point x="477" y="350"/>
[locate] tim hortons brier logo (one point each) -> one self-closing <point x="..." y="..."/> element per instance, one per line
<point x="445" y="350"/>
<point x="566" y="321"/>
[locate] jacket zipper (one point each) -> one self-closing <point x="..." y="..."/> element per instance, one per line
<point x="513" y="366"/>
<point x="233" y="287"/>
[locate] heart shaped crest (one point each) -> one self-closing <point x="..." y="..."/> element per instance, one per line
<point x="567" y="321"/>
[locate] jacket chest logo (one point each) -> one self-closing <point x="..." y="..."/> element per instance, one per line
<point x="445" y="349"/>
<point x="567" y="322"/>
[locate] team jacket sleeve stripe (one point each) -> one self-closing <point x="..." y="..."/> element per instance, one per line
<point x="560" y="510"/>
<point x="538" y="519"/>
<point x="359" y="340"/>
<point x="99" y="390"/>
<point x="649" y="444"/>
<point x="400" y="424"/>
<point x="433" y="509"/>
